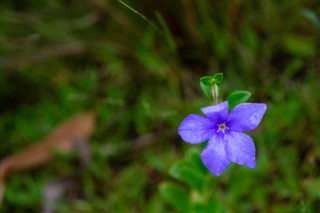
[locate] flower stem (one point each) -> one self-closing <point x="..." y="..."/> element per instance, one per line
<point x="215" y="94"/>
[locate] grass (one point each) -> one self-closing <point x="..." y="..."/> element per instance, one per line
<point x="59" y="58"/>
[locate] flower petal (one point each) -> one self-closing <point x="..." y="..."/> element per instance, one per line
<point x="245" y="117"/>
<point x="217" y="113"/>
<point x="196" y="129"/>
<point x="214" y="156"/>
<point x="241" y="149"/>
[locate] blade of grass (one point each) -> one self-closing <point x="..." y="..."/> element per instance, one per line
<point x="141" y="15"/>
<point x="167" y="32"/>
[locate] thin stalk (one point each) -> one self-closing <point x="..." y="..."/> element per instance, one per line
<point x="141" y="15"/>
<point x="215" y="94"/>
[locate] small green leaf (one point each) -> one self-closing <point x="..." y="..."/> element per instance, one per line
<point x="207" y="80"/>
<point x="176" y="196"/>
<point x="218" y="77"/>
<point x="206" y="89"/>
<point x="238" y="97"/>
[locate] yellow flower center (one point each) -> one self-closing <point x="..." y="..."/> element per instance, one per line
<point x="222" y="128"/>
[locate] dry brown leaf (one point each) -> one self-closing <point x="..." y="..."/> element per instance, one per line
<point x="63" y="138"/>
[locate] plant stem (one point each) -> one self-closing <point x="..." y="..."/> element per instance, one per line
<point x="215" y="94"/>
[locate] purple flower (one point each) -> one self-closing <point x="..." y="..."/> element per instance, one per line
<point x="224" y="132"/>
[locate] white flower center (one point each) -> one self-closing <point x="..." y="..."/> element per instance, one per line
<point x="222" y="127"/>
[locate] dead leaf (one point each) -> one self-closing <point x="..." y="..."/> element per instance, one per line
<point x="63" y="139"/>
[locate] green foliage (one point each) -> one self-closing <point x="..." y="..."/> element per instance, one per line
<point x="138" y="71"/>
<point x="211" y="80"/>
<point x="207" y="83"/>
<point x="176" y="195"/>
<point x="206" y="86"/>
<point x="198" y="197"/>
<point x="218" y="77"/>
<point x="191" y="171"/>
<point x="238" y="97"/>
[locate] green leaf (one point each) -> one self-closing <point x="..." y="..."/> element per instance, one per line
<point x="207" y="80"/>
<point x="193" y="157"/>
<point x="206" y="89"/>
<point x="218" y="77"/>
<point x="189" y="174"/>
<point x="238" y="97"/>
<point x="176" y="196"/>
<point x="209" y="206"/>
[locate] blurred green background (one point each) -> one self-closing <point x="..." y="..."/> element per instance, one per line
<point x="62" y="57"/>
